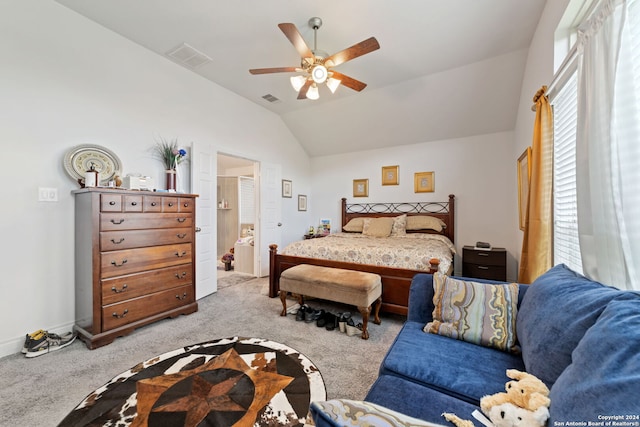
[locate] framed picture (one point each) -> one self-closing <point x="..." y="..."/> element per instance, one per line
<point x="390" y="175"/>
<point x="302" y="202"/>
<point x="424" y="182"/>
<point x="360" y="188"/>
<point x="524" y="176"/>
<point x="287" y="188"/>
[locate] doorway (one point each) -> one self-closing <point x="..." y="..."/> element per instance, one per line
<point x="237" y="223"/>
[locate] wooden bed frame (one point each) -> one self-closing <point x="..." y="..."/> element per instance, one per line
<point x="395" y="281"/>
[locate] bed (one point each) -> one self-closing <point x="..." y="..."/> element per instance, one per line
<point x="396" y="277"/>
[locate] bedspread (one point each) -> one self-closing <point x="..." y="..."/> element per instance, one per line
<point x="411" y="251"/>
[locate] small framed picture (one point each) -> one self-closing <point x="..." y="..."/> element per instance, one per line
<point x="524" y="176"/>
<point x="423" y="182"/>
<point x="302" y="202"/>
<point x="287" y="188"/>
<point x="390" y="175"/>
<point x="360" y="188"/>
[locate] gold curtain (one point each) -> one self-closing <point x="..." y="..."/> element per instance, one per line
<point x="536" y="255"/>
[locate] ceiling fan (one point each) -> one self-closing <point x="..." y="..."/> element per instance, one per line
<point x="316" y="66"/>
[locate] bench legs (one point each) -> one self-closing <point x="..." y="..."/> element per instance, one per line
<point x="365" y="311"/>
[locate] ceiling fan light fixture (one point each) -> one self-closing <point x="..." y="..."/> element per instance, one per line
<point x="312" y="93"/>
<point x="319" y="74"/>
<point x="297" y="82"/>
<point x="333" y="84"/>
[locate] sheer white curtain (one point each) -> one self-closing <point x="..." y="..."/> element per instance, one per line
<point x="608" y="145"/>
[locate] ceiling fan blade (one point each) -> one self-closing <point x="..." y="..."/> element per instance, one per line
<point x="362" y="48"/>
<point x="349" y="82"/>
<point x="274" y="70"/>
<point x="296" y="39"/>
<point x="302" y="94"/>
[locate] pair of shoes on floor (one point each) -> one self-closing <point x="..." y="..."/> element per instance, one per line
<point x="43" y="342"/>
<point x="343" y="318"/>
<point x="308" y="314"/>
<point x="328" y="320"/>
<point x="33" y="339"/>
<point x="353" y="329"/>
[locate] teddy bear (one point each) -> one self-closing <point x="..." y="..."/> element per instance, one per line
<point x="526" y="392"/>
<point x="525" y="404"/>
<point x="505" y="415"/>
<point x="510" y="415"/>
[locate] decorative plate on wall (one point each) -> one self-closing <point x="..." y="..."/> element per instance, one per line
<point x="79" y="159"/>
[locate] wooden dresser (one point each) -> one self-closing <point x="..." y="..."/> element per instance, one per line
<point x="484" y="264"/>
<point x="134" y="260"/>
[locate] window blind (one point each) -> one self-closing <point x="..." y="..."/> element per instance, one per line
<point x="566" y="244"/>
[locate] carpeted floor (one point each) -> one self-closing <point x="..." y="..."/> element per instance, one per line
<point x="42" y="390"/>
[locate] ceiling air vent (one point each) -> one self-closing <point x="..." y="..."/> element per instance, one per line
<point x="270" y="98"/>
<point x="188" y="56"/>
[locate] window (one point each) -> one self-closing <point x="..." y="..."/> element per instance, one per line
<point x="566" y="245"/>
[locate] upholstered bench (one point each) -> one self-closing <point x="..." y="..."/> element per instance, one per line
<point x="334" y="284"/>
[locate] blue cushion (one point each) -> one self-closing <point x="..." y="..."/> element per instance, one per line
<point x="604" y="377"/>
<point x="455" y="367"/>
<point x="554" y="315"/>
<point x="418" y="401"/>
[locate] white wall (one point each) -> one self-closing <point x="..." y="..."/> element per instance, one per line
<point x="66" y="81"/>
<point x="478" y="170"/>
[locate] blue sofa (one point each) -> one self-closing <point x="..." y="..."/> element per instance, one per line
<point x="580" y="337"/>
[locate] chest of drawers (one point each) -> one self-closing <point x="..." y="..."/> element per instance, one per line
<point x="134" y="261"/>
<point x="484" y="264"/>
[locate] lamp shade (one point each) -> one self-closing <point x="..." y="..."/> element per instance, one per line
<point x="312" y="93"/>
<point x="333" y="84"/>
<point x="297" y="82"/>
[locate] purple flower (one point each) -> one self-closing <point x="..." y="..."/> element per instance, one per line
<point x="182" y="152"/>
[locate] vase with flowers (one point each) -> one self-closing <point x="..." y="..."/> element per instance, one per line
<point x="168" y="152"/>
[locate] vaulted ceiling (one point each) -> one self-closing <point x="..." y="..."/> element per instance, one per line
<point x="445" y="68"/>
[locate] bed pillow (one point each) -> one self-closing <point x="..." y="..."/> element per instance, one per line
<point x="399" y="227"/>
<point x="425" y="222"/>
<point x="354" y="226"/>
<point x="479" y="313"/>
<point x="377" y="227"/>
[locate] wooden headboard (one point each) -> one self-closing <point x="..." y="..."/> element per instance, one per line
<point x="443" y="210"/>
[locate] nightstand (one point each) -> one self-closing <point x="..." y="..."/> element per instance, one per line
<point x="484" y="264"/>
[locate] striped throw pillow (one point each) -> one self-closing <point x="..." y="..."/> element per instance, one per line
<point x="480" y="313"/>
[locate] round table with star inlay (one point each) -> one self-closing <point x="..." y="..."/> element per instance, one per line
<point x="226" y="382"/>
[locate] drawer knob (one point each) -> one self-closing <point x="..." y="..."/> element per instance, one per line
<point x="181" y="236"/>
<point x="184" y="296"/>
<point x="118" y="242"/>
<point x="117" y="221"/>
<point x="153" y="203"/>
<point x="186" y="205"/>
<point x="134" y="203"/>
<point x="483" y="254"/>
<point x="180" y="255"/>
<point x="115" y="263"/>
<point x="117" y="291"/>
<point x="181" y="219"/>
<point x="482" y="267"/>
<point x="120" y="316"/>
<point x="170" y="204"/>
<point x="111" y="203"/>
<point x="181" y="276"/>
